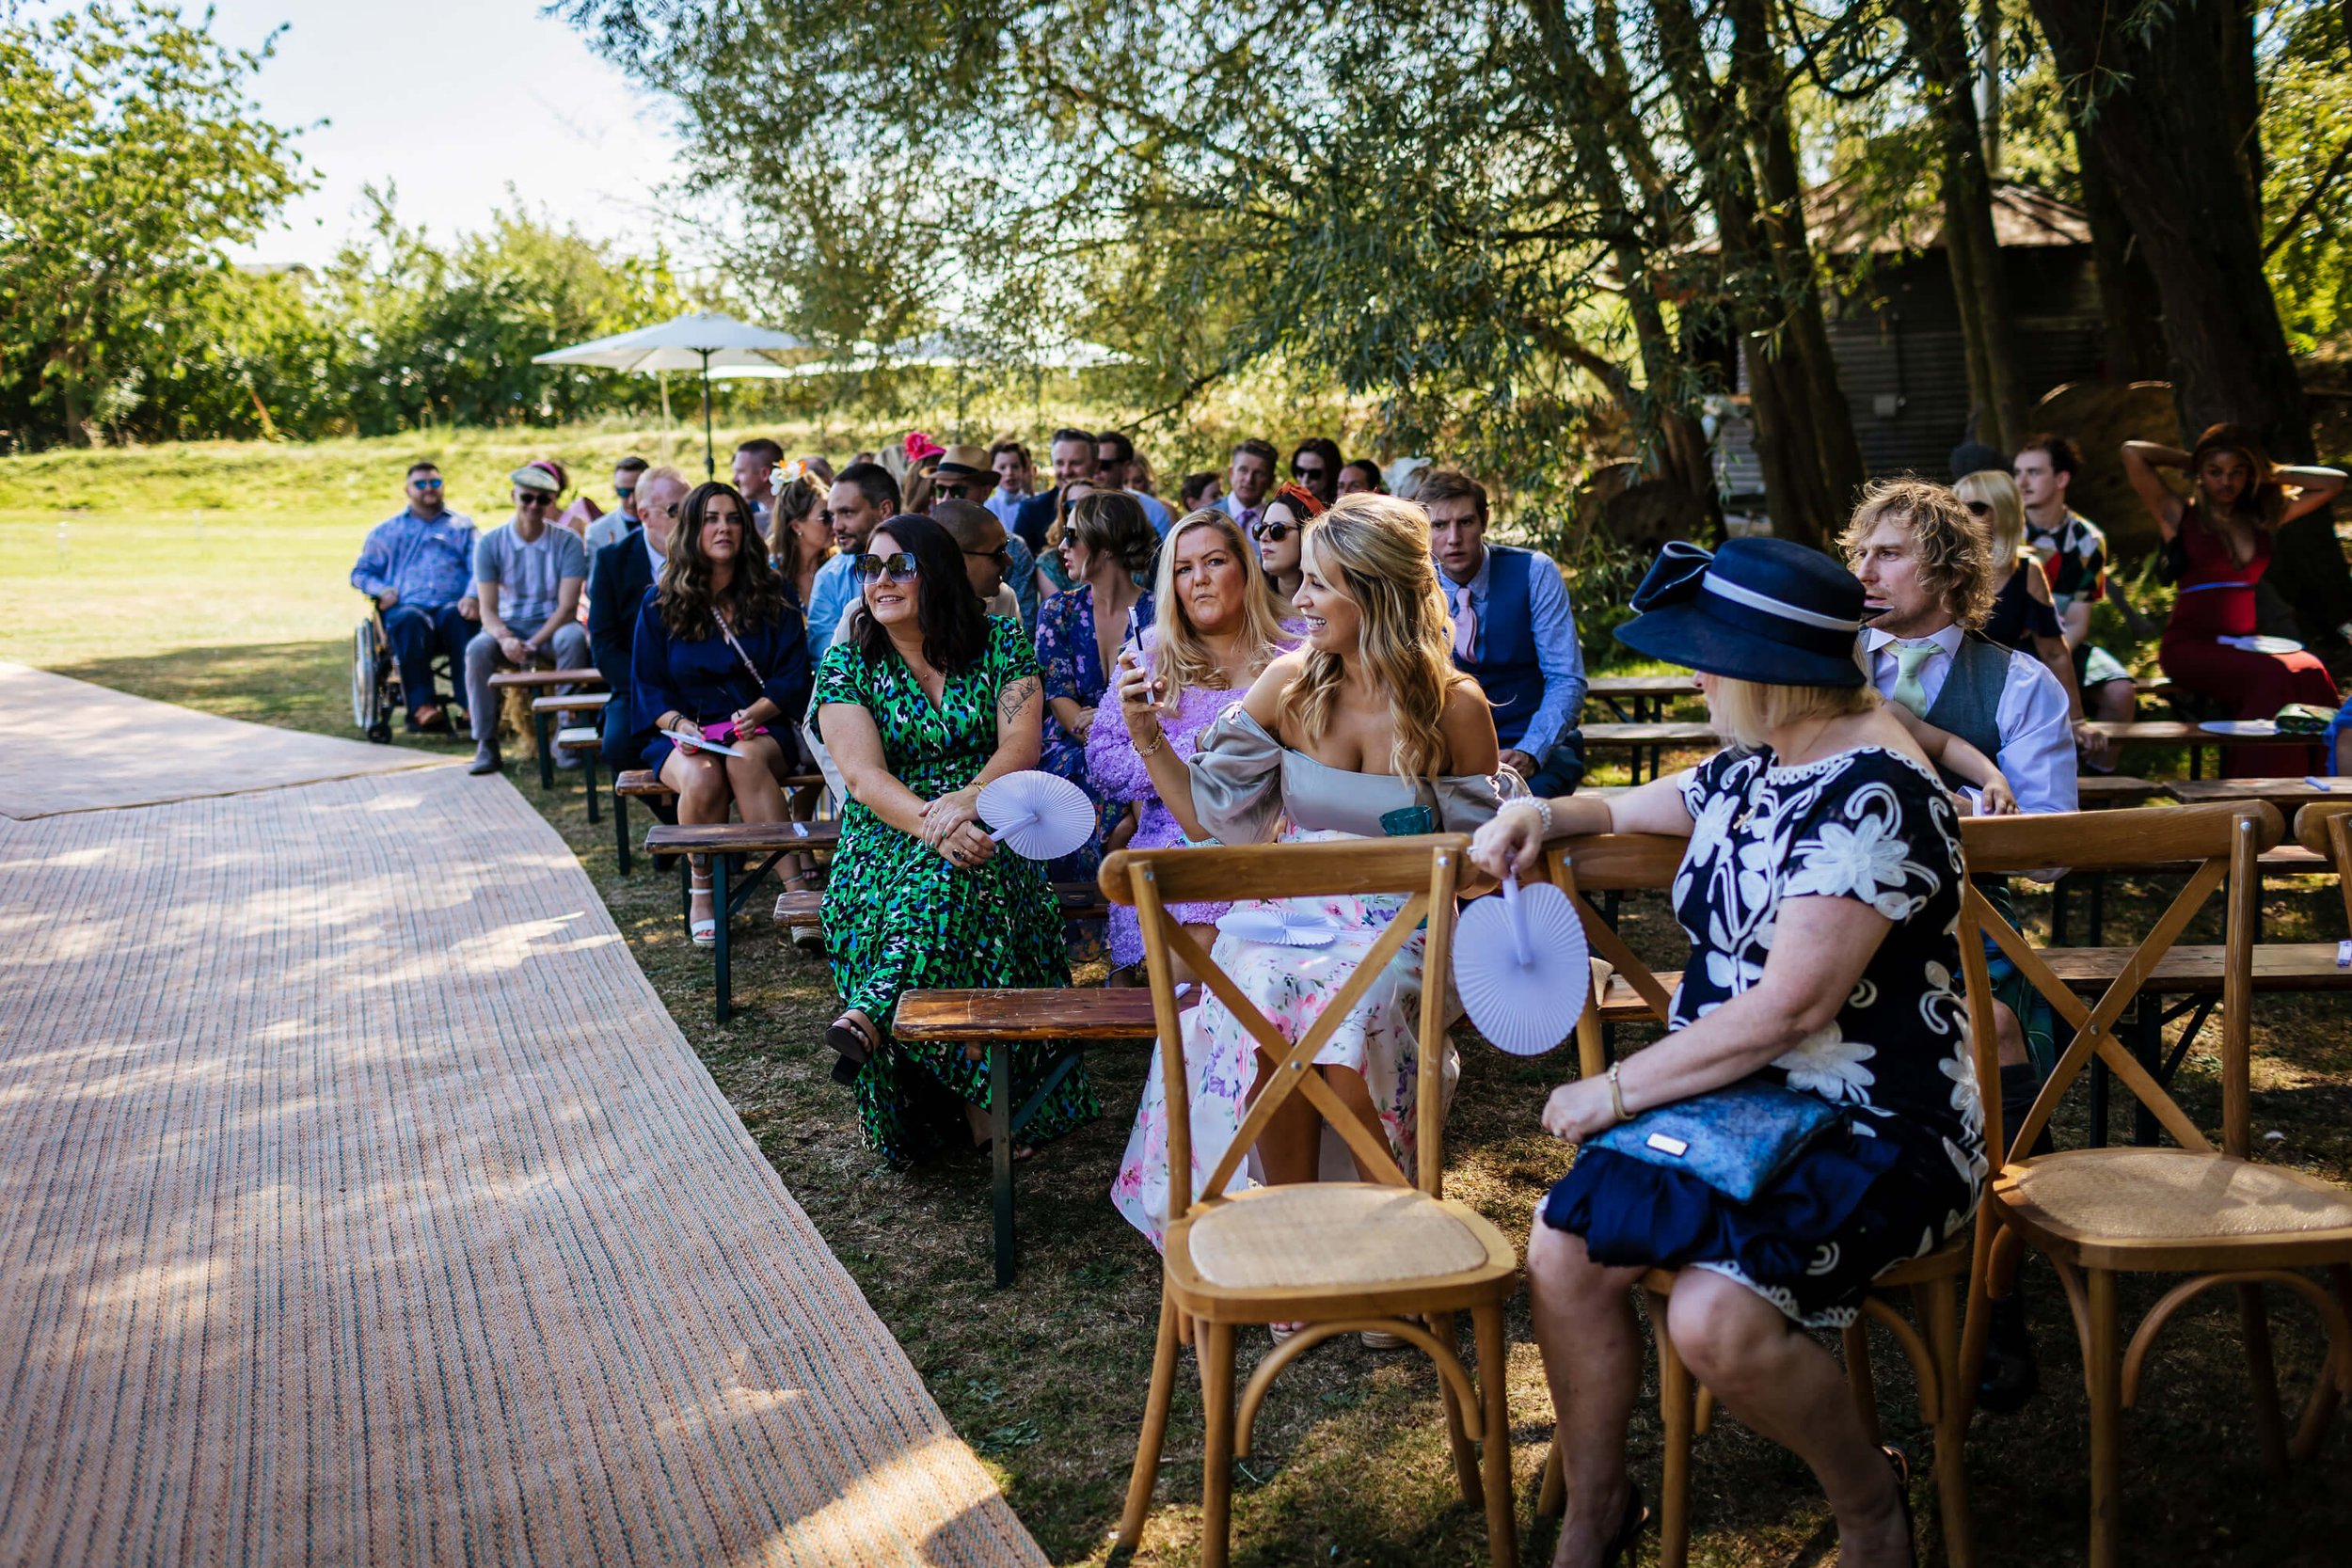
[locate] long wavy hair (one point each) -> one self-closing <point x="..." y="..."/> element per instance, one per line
<point x="688" y="609"/>
<point x="1955" y="561"/>
<point x="803" y="494"/>
<point x="953" y="621"/>
<point x="1374" y="551"/>
<point x="2265" y="500"/>
<point x="1179" y="658"/>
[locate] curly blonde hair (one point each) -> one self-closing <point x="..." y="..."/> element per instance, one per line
<point x="1955" y="561"/>
<point x="1177" y="657"/>
<point x="1373" y="550"/>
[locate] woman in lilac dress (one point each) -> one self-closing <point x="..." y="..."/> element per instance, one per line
<point x="1212" y="632"/>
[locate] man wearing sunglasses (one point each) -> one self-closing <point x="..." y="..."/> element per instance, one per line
<point x="528" y="573"/>
<point x="967" y="474"/>
<point x="417" y="567"/>
<point x="987" y="552"/>
<point x="1115" y="468"/>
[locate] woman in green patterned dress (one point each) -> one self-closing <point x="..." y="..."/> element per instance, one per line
<point x="925" y="699"/>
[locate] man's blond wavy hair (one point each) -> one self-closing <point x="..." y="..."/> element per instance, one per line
<point x="1955" y="562"/>
<point x="1374" y="551"/>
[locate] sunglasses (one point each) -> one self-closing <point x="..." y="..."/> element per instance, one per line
<point x="1002" y="555"/>
<point x="954" y="489"/>
<point x="1302" y="472"/>
<point x="531" y="498"/>
<point x="899" y="567"/>
<point x="1272" y="533"/>
<point x="1978" y="509"/>
<point x="424" y="484"/>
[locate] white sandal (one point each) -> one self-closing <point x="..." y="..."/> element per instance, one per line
<point x="706" y="930"/>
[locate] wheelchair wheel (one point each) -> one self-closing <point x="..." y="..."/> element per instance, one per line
<point x="370" y="684"/>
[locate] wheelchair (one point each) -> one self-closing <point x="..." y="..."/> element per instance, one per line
<point x="375" y="689"/>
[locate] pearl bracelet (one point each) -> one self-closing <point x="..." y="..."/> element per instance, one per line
<point x="1536" y="804"/>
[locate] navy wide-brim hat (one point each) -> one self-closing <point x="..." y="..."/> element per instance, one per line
<point x="1757" y="609"/>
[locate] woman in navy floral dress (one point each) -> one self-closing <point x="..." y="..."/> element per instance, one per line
<point x="1820" y="893"/>
<point x="1107" y="543"/>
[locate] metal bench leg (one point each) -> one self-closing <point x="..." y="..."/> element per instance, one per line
<point x="1000" y="1151"/>
<point x="620" y="827"/>
<point x="588" y="768"/>
<point x="547" y="752"/>
<point x="718" y="908"/>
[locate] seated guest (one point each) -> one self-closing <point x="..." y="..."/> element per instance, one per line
<point x="1009" y="460"/>
<point x="627" y="474"/>
<point x="1202" y="489"/>
<point x="2074" y="554"/>
<point x="417" y="568"/>
<point x="618" y="579"/>
<point x="923" y="702"/>
<point x="963" y="475"/>
<point x="799" y="540"/>
<point x="719" y="652"/>
<point x="2024" y="615"/>
<point x="1116" y="467"/>
<point x="755" y="472"/>
<point x="1513" y="633"/>
<point x="1813" y="969"/>
<point x="1367" y="725"/>
<point x="1280" y="531"/>
<point x="987" y="553"/>
<point x="1212" y="631"/>
<point x="1247" y="479"/>
<point x="860" y="498"/>
<point x="1315" y="464"/>
<point x="2223" y="540"/>
<point x="1073" y="454"/>
<point x="1107" y="549"/>
<point x="528" y="573"/>
<point x="1361" y="477"/>
<point x="1053" y="572"/>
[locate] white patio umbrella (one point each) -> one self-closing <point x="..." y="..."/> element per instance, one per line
<point x="698" y="340"/>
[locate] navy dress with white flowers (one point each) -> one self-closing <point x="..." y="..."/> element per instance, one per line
<point x="1905" y="1171"/>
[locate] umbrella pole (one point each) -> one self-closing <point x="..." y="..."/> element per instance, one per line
<point x="710" y="459"/>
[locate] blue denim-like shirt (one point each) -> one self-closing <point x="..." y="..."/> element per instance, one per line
<point x="428" y="563"/>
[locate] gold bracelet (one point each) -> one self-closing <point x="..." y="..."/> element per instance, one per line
<point x="1153" y="750"/>
<point x="1616" y="1095"/>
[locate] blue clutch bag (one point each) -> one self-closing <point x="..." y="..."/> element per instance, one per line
<point x="1737" y="1139"/>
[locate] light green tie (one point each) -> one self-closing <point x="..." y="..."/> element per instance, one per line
<point x="1909" y="658"/>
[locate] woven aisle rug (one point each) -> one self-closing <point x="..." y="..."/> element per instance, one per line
<point x="66" y="745"/>
<point x="359" y="1203"/>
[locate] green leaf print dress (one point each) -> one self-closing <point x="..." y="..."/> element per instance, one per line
<point x="899" y="918"/>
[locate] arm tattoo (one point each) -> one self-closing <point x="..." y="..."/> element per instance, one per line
<point x="1014" y="700"/>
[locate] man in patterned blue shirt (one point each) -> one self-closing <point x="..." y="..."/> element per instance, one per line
<point x="419" y="569"/>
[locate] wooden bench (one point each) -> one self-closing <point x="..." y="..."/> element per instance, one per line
<point x="1640" y="699"/>
<point x="995" y="1021"/>
<point x="2196" y="738"/>
<point x="586" y="742"/>
<point x="2094" y="790"/>
<point x="805" y="905"/>
<point x="1649" y="739"/>
<point x="2286" y="859"/>
<point x="535" y="680"/>
<point x="719" y="841"/>
<point x="635" y="784"/>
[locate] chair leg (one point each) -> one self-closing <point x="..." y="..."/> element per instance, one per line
<point x="1217" y="1456"/>
<point x="620" y="831"/>
<point x="2321" y="1409"/>
<point x="1155" y="1432"/>
<point x="1939" y="1313"/>
<point x="1552" y="1493"/>
<point x="588" y="771"/>
<point x="1494" y="1398"/>
<point x="2102" y="1381"/>
<point x="1675" y="1399"/>
<point x="1860" y="1379"/>
<point x="2262" y="1372"/>
<point x="1456" y="1428"/>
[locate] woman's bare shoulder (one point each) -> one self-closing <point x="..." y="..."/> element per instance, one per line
<point x="1467" y="724"/>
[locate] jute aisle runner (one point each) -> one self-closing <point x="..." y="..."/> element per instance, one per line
<point x="359" y="1203"/>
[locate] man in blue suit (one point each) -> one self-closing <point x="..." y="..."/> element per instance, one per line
<point x="1514" y="630"/>
<point x="617" y="583"/>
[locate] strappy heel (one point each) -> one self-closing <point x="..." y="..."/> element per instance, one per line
<point x="705" y="931"/>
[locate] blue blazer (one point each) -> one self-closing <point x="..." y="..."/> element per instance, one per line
<point x="701" y="677"/>
<point x="616" y="586"/>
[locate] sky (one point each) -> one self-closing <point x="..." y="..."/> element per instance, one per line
<point x="451" y="101"/>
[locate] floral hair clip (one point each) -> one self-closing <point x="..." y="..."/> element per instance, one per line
<point x="919" y="446"/>
<point x="792" y="472"/>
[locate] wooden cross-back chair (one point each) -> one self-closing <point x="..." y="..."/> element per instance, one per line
<point x="1621" y="863"/>
<point x="2196" y="1209"/>
<point x="2325" y="828"/>
<point x="1389" y="1255"/>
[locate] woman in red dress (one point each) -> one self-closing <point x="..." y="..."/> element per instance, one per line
<point x="2222" y="541"/>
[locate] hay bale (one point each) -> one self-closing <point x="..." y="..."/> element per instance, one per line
<point x="2099" y="416"/>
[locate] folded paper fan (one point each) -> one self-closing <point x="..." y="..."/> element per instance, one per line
<point x="1520" y="965"/>
<point x="1037" y="815"/>
<point x="1271" y="924"/>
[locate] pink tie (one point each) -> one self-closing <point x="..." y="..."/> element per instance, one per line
<point x="1465" y="624"/>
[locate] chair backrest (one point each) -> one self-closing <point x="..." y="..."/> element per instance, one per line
<point x="2325" y="828"/>
<point x="1423" y="870"/>
<point x="1618" y="862"/>
<point x="2223" y="841"/>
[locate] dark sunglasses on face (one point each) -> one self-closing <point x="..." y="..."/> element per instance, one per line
<point x="899" y="567"/>
<point x="425" y="484"/>
<point x="955" y="489"/>
<point x="1303" y="472"/>
<point x="531" y="498"/>
<point x="1978" y="509"/>
<point x="1002" y="555"/>
<point x="1272" y="533"/>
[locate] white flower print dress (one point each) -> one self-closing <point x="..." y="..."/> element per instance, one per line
<point x="1907" y="1169"/>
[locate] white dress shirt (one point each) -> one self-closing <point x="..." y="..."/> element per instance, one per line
<point x="2037" y="753"/>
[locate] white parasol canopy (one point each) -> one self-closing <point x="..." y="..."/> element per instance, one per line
<point x="704" y="340"/>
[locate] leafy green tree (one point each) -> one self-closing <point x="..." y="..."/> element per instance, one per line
<point x="129" y="158"/>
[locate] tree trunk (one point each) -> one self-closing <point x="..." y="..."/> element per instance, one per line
<point x="2131" y="312"/>
<point x="1804" y="438"/>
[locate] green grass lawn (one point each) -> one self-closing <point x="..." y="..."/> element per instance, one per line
<point x="252" y="620"/>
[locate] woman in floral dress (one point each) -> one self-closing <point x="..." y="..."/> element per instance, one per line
<point x="1366" y="724"/>
<point x="1820" y="893"/>
<point x="923" y="701"/>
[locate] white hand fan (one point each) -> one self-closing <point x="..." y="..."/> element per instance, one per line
<point x="1036" y="814"/>
<point x="1286" y="926"/>
<point x="1520" y="965"/>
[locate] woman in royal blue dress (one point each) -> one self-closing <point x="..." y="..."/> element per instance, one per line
<point x="1820" y="893"/>
<point x="720" y="650"/>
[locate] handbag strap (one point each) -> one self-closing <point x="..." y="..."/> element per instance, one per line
<point x="759" y="682"/>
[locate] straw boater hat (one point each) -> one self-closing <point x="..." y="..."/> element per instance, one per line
<point x="965" y="463"/>
<point x="1757" y="609"/>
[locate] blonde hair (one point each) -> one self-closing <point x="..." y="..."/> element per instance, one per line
<point x="1179" y="658"/>
<point x="1374" y="551"/>
<point x="1747" y="711"/>
<point x="1953" y="559"/>
<point x="2005" y="528"/>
